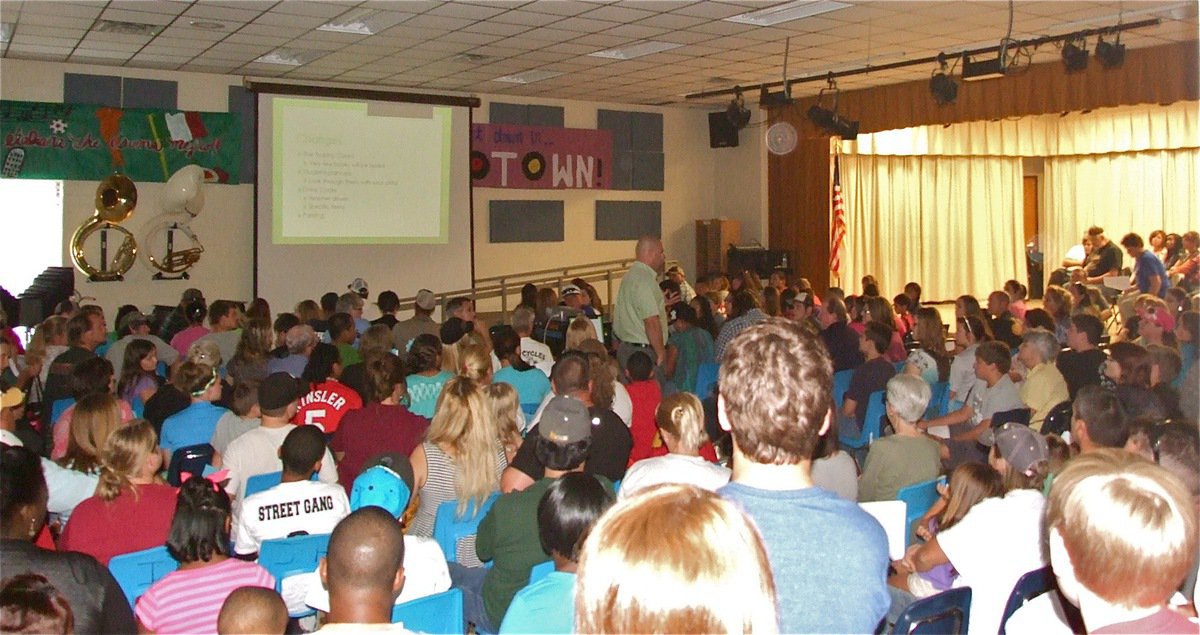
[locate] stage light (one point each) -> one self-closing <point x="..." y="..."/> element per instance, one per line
<point x="828" y="118"/>
<point x="1075" y="55"/>
<point x="1110" y="54"/>
<point x="941" y="84"/>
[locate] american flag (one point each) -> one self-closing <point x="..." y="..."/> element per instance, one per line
<point x="838" y="232"/>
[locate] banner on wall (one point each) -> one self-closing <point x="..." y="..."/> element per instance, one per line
<point x="536" y="157"/>
<point x="80" y="142"/>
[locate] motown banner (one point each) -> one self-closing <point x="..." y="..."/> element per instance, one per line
<point x="87" y="143"/>
<point x="535" y="157"/>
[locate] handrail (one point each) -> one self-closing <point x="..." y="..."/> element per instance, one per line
<point x="505" y="285"/>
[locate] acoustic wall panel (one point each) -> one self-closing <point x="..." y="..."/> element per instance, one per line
<point x="628" y="220"/>
<point x="149" y="93"/>
<point x="525" y="221"/>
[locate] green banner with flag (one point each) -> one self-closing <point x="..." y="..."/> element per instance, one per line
<point x="87" y="143"/>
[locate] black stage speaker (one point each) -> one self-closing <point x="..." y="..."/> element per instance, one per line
<point x="721" y="132"/>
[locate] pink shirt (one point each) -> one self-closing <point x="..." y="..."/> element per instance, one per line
<point x="183" y="340"/>
<point x="189" y="601"/>
<point x="62" y="428"/>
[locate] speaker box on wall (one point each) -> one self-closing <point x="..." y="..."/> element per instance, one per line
<point x="721" y="132"/>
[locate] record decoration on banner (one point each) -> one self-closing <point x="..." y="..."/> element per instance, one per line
<point x="533" y="165"/>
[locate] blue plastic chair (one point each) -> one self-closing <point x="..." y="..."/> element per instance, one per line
<point x="136" y="572"/>
<point x="285" y="557"/>
<point x="260" y="482"/>
<point x="438" y="613"/>
<point x="1033" y="584"/>
<point x="58" y="407"/>
<point x="939" y="400"/>
<point x="137" y="407"/>
<point x="871" y="424"/>
<point x="617" y="486"/>
<point x="192" y="459"/>
<point x="841" y="383"/>
<point x="706" y="376"/>
<point x="946" y="612"/>
<point x="449" y="528"/>
<point x="540" y="571"/>
<point x="899" y="366"/>
<point x="918" y="498"/>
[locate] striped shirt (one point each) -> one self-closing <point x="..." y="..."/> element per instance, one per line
<point x="439" y="488"/>
<point x="188" y="601"/>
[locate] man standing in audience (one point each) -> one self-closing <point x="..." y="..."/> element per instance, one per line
<point x="828" y="556"/>
<point x="1149" y="274"/>
<point x="1080" y="366"/>
<point x="300" y="341"/>
<point x="1097" y="420"/>
<point x="85" y="331"/>
<point x="640" y="312"/>
<point x="351" y="303"/>
<point x="257" y="451"/>
<point x="296" y="504"/>
<point x="1122" y="537"/>
<point x="364" y="572"/>
<point x="533" y="352"/>
<point x="610" y="437"/>
<point x="840" y="340"/>
<point x="224" y="318"/>
<point x="420" y="323"/>
<point x="137" y="325"/>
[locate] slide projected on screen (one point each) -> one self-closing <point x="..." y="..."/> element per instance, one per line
<point x="360" y="172"/>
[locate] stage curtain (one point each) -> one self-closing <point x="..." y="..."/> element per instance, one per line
<point x="951" y="223"/>
<point x="1102" y="131"/>
<point x="1121" y="192"/>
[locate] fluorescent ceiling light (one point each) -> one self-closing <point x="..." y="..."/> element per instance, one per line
<point x="637" y="50"/>
<point x="6" y="31"/>
<point x="290" y="57"/>
<point x="787" y="12"/>
<point x="527" y="77"/>
<point x="365" y="22"/>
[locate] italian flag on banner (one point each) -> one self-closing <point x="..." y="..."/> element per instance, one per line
<point x="86" y="143"/>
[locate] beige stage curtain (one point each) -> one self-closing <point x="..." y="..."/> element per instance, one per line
<point x="1102" y="131"/>
<point x="1124" y="192"/>
<point x="951" y="223"/>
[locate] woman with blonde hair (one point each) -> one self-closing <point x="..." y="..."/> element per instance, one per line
<point x="878" y="309"/>
<point x="1057" y="302"/>
<point x="505" y="408"/>
<point x="49" y="341"/>
<point x="607" y="390"/>
<point x="73" y="478"/>
<point x="578" y="331"/>
<point x="680" y="421"/>
<point x="249" y="361"/>
<point x="473" y="362"/>
<point x="634" y="577"/>
<point x="460" y="460"/>
<point x="129" y="488"/>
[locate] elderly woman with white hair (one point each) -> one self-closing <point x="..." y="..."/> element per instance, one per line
<point x="1044" y="386"/>
<point x="904" y="458"/>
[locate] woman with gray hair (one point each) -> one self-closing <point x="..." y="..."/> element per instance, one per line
<point x="904" y="458"/>
<point x="1044" y="386"/>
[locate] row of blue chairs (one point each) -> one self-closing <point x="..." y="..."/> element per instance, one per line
<point x="950" y="611"/>
<point x="439" y="613"/>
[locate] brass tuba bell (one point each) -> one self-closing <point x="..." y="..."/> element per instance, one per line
<point x="116" y="196"/>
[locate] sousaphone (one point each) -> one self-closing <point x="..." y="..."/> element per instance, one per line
<point x="116" y="198"/>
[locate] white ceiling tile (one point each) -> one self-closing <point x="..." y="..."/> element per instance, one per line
<point x="712" y="10"/>
<point x="495" y="28"/>
<point x="618" y="13"/>
<point x="585" y="25"/>
<point x="438" y="22"/>
<point x="289" y="20"/>
<point x="66" y="9"/>
<point x="315" y="9"/>
<point x="527" y="18"/>
<point x="466" y="11"/>
<point x="636" y="31"/>
<point x="140" y="17"/>
<point x="563" y="8"/>
<point x="218" y="13"/>
<point x="46" y="19"/>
